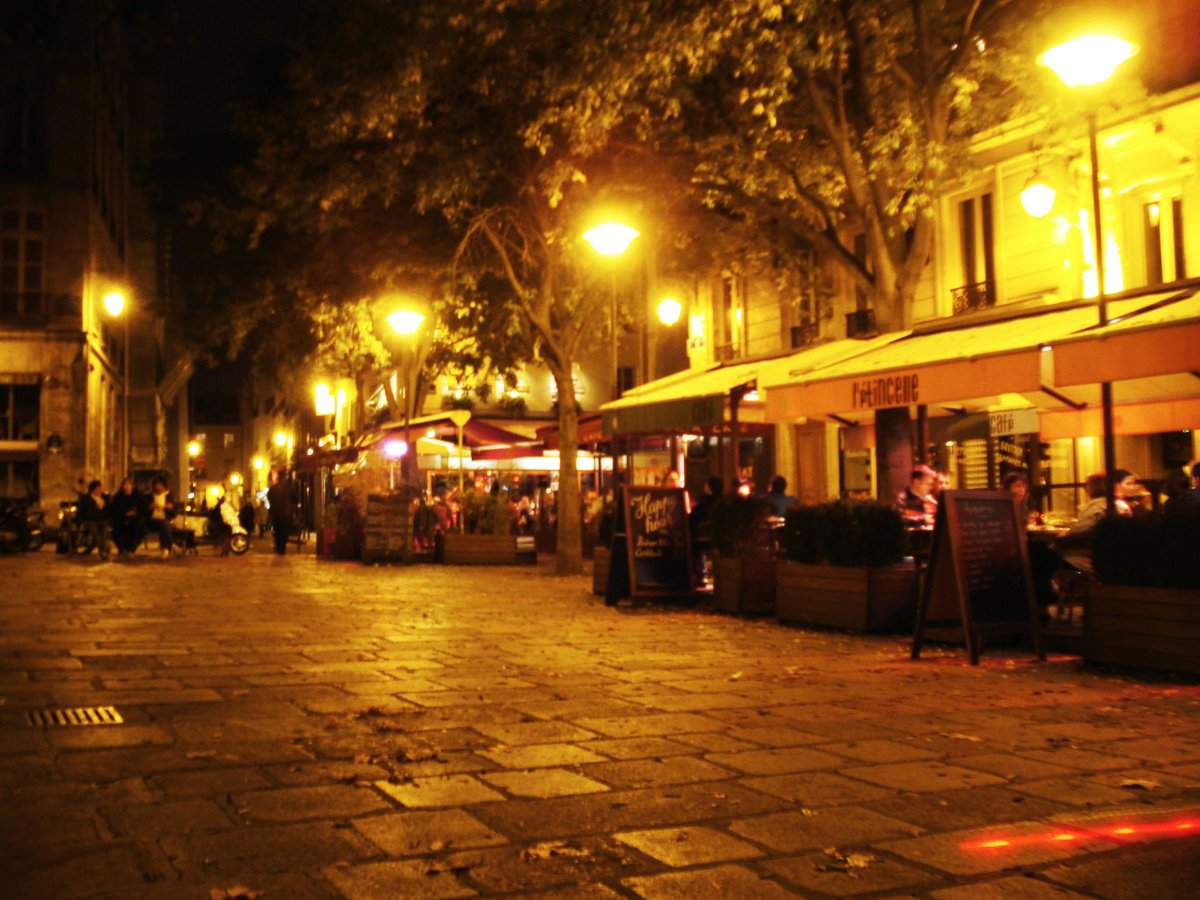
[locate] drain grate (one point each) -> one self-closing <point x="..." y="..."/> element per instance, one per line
<point x="79" y="715"/>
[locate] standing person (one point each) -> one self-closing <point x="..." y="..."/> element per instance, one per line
<point x="94" y="515"/>
<point x="917" y="503"/>
<point x="778" y="498"/>
<point x="161" y="506"/>
<point x="126" y="511"/>
<point x="700" y="524"/>
<point x="279" y="501"/>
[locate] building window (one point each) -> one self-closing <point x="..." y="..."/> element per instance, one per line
<point x="626" y="379"/>
<point x="19" y="412"/>
<point x="23" y="139"/>
<point x="227" y="440"/>
<point x="1162" y="234"/>
<point x="19" y="479"/>
<point x="22" y="262"/>
<point x="977" y="254"/>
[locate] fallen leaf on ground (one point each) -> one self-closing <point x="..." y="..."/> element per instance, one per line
<point x="735" y="676"/>
<point x="237" y="892"/>
<point x="547" y="849"/>
<point x="844" y="862"/>
<point x="957" y="736"/>
<point x="1139" y="784"/>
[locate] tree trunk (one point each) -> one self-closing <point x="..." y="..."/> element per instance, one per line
<point x="570" y="548"/>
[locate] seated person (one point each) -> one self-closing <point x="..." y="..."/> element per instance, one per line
<point x="161" y="506"/>
<point x="916" y="502"/>
<point x="1076" y="544"/>
<point x="1017" y="484"/>
<point x="125" y="510"/>
<point x="777" y="498"/>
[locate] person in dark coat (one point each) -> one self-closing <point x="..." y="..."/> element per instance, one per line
<point x="279" y="500"/>
<point x="126" y="511"/>
<point x="94" y="514"/>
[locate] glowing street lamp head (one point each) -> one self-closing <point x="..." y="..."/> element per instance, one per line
<point x="611" y="238"/>
<point x="281" y="439"/>
<point x="1037" y="198"/>
<point x="395" y="449"/>
<point x="114" y="303"/>
<point x="235" y="479"/>
<point x="406" y="321"/>
<point x="258" y="463"/>
<point x="194" y="448"/>
<point x="669" y="311"/>
<point x="1087" y="60"/>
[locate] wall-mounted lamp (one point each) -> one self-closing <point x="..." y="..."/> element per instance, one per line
<point x="1037" y="197"/>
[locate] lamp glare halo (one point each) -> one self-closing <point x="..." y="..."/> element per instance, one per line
<point x="1087" y="60"/>
<point x="114" y="303"/>
<point x="611" y="238"/>
<point x="669" y="311"/>
<point x="1038" y="199"/>
<point x="406" y="321"/>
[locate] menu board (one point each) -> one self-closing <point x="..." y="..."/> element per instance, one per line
<point x="979" y="573"/>
<point x="657" y="541"/>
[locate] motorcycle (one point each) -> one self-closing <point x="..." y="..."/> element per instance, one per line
<point x="22" y="526"/>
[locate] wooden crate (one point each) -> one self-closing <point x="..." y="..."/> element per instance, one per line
<point x="1142" y="627"/>
<point x="600" y="563"/>
<point x="858" y="599"/>
<point x="480" y="549"/>
<point x="744" y="585"/>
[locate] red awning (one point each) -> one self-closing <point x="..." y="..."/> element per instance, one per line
<point x="590" y="432"/>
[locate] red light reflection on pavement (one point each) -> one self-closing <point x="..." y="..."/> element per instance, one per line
<point x="1175" y="828"/>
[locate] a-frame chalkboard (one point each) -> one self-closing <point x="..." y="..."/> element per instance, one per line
<point x="651" y="549"/>
<point x="979" y="576"/>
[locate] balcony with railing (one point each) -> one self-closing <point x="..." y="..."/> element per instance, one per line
<point x="805" y="334"/>
<point x="972" y="297"/>
<point x="860" y="323"/>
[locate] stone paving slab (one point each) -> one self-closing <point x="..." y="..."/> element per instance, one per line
<point x="317" y="729"/>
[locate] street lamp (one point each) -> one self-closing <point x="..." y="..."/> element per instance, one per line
<point x="407" y="324"/>
<point x="612" y="239"/>
<point x="1084" y="62"/>
<point x="114" y="305"/>
<point x="669" y="311"/>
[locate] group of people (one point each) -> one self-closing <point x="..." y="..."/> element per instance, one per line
<point x="125" y="518"/>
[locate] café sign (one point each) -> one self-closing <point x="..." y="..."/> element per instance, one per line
<point x="1013" y="421"/>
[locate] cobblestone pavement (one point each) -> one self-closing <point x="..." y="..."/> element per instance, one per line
<point x="307" y="728"/>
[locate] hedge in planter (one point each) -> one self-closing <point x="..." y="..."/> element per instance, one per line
<point x="842" y="568"/>
<point x="1145" y="609"/>
<point x="488" y="539"/>
<point x="743" y="567"/>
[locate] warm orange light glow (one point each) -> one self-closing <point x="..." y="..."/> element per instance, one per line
<point x="406" y="322"/>
<point x="991" y="844"/>
<point x="194" y="448"/>
<point x="114" y="303"/>
<point x="669" y="311"/>
<point x="611" y="238"/>
<point x="1087" y="60"/>
<point x="1123" y="831"/>
<point x="1064" y="837"/>
<point x="1145" y="830"/>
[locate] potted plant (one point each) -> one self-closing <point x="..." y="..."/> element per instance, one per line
<point x="488" y="539"/>
<point x="743" y="565"/>
<point x="843" y="567"/>
<point x="1144" y="608"/>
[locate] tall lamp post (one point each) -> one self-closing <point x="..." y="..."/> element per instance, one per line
<point x="612" y="239"/>
<point x="114" y="305"/>
<point x="407" y="324"/>
<point x="1083" y="63"/>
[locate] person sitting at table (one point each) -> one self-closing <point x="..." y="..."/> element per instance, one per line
<point x="916" y="502"/>
<point x="1017" y="484"/>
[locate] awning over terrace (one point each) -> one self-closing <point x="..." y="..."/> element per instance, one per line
<point x="1007" y="364"/>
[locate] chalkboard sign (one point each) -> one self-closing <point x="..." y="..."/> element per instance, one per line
<point x="657" y="542"/>
<point x="979" y="573"/>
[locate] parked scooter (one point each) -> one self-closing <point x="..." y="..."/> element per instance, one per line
<point x="21" y="526"/>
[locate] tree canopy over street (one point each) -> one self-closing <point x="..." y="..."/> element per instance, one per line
<point x="453" y="151"/>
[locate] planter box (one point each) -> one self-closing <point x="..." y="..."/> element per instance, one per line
<point x="1142" y="627"/>
<point x="744" y="585"/>
<point x="859" y="599"/>
<point x="600" y="562"/>
<point x="480" y="549"/>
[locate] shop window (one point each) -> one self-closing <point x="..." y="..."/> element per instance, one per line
<point x="1162" y="235"/>
<point x="19" y="412"/>
<point x="22" y="262"/>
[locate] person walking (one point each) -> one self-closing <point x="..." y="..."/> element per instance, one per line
<point x="279" y="501"/>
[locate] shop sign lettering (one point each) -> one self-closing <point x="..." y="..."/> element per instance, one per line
<point x="888" y="390"/>
<point x="1015" y="421"/>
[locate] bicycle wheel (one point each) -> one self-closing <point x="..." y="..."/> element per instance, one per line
<point x="239" y="543"/>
